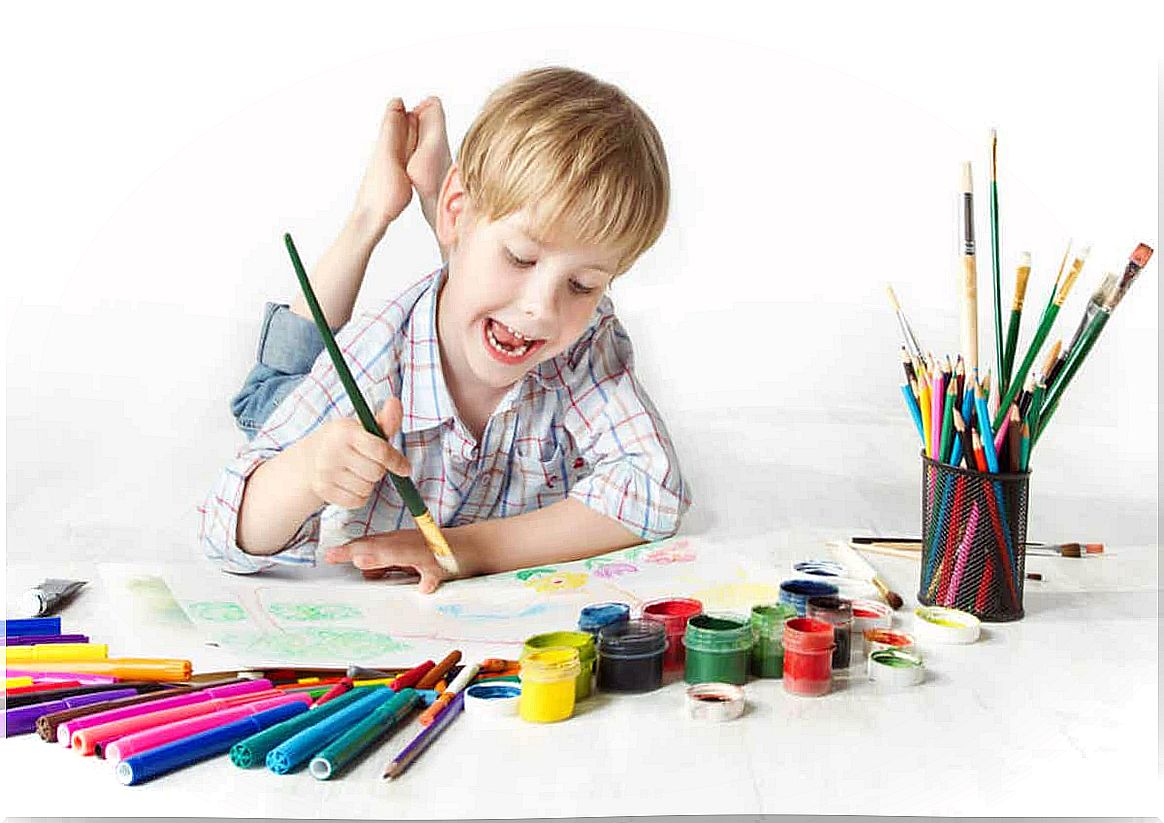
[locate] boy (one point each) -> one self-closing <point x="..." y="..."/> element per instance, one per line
<point x="503" y="381"/>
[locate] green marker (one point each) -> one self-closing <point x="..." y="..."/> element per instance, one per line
<point x="345" y="748"/>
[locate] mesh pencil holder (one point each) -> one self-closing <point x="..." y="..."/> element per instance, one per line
<point x="974" y="533"/>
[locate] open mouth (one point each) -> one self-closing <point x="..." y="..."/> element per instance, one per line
<point x="507" y="345"/>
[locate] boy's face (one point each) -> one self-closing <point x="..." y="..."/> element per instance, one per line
<point x="514" y="300"/>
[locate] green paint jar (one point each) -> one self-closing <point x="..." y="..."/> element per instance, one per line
<point x="719" y="649"/>
<point x="768" y="638"/>
<point x="582" y="641"/>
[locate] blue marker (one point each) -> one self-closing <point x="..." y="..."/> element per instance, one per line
<point x="39" y="626"/>
<point x="153" y="763"/>
<point x="306" y="744"/>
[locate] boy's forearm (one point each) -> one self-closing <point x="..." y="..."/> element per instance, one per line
<point x="274" y="505"/>
<point x="567" y="530"/>
<point x="337" y="277"/>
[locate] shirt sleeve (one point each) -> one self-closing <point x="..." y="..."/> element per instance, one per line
<point x="316" y="398"/>
<point x="288" y="346"/>
<point x="635" y="477"/>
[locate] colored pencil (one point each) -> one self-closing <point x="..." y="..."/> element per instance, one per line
<point x="424" y="738"/>
<point x="428" y="527"/>
<point x="914" y="412"/>
<point x="948" y="422"/>
<point x="1044" y="329"/>
<point x="1014" y="438"/>
<point x="963" y="553"/>
<point x="969" y="290"/>
<point x="924" y="403"/>
<point x="1003" y="376"/>
<point x="937" y="397"/>
<point x="1016" y="314"/>
<point x="961" y="449"/>
<point x="1025" y="448"/>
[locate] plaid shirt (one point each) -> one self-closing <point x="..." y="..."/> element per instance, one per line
<point x="577" y="426"/>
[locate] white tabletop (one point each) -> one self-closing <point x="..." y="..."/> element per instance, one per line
<point x="1053" y="715"/>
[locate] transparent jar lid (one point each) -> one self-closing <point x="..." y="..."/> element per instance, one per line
<point x="632" y="638"/>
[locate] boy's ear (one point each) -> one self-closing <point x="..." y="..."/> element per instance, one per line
<point x="451" y="208"/>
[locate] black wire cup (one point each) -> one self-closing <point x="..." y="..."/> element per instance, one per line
<point x="974" y="534"/>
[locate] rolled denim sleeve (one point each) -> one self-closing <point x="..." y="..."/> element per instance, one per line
<point x="288" y="346"/>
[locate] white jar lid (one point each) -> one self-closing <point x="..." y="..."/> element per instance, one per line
<point x="937" y="624"/>
<point x="895" y="668"/>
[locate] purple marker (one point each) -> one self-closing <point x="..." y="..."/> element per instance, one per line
<point x="33" y="640"/>
<point x="66" y="730"/>
<point x="22" y="720"/>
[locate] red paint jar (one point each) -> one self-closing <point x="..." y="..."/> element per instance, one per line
<point x="808" y="656"/>
<point x="673" y="613"/>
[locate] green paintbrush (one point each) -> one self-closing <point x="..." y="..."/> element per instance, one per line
<point x="1016" y="316"/>
<point x="1079" y="351"/>
<point x="1045" y="323"/>
<point x="1003" y="376"/>
<point x="404" y="486"/>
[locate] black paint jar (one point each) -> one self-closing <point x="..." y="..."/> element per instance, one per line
<point x="630" y="656"/>
<point x="839" y="612"/>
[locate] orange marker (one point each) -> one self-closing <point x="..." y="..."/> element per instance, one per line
<point x="438" y="672"/>
<point x="460" y="682"/>
<point x="152" y="669"/>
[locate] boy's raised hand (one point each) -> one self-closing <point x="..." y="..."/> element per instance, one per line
<point x="386" y="188"/>
<point x="344" y="462"/>
<point x="430" y="160"/>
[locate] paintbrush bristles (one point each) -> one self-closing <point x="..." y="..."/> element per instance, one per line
<point x="892" y="297"/>
<point x="967" y="178"/>
<point x="1020" y="284"/>
<point x="1072" y="276"/>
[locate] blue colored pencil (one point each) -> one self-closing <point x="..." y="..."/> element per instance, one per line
<point x="421" y="742"/>
<point x="914" y="411"/>
<point x="149" y="764"/>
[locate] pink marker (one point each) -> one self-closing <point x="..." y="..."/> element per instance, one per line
<point x="93" y="739"/>
<point x="83" y="679"/>
<point x="66" y="730"/>
<point x="152" y="738"/>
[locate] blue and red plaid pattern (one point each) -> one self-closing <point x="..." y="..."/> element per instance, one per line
<point x="578" y="425"/>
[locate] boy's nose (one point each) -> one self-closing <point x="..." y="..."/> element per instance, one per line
<point x="537" y="299"/>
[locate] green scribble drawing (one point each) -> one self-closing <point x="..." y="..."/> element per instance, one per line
<point x="527" y="574"/>
<point x="216" y="611"/>
<point x="312" y="612"/>
<point x="310" y="644"/>
<point x="153" y="596"/>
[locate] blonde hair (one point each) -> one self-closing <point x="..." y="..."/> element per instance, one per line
<point x="579" y="151"/>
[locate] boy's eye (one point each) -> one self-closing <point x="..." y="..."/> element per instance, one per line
<point x="580" y="288"/>
<point x="517" y="261"/>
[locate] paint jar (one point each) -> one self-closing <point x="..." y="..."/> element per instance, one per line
<point x="797" y="592"/>
<point x="868" y="614"/>
<point x="838" y="612"/>
<point x="673" y="613"/>
<point x="630" y="656"/>
<point x="768" y="638"/>
<point x="808" y="656"/>
<point x="594" y="617"/>
<point x="877" y="639"/>
<point x="548" y="679"/>
<point x="582" y="641"/>
<point x="719" y="649"/>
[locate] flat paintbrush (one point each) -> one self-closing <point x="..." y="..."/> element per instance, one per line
<point x="1045" y="323"/>
<point x="1022" y="276"/>
<point x="1079" y="352"/>
<point x="404" y="487"/>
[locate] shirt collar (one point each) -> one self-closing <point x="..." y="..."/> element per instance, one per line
<point x="423" y="392"/>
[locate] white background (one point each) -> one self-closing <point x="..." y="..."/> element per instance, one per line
<point x="153" y="158"/>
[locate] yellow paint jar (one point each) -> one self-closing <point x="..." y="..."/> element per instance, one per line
<point x="582" y="641"/>
<point x="547" y="684"/>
